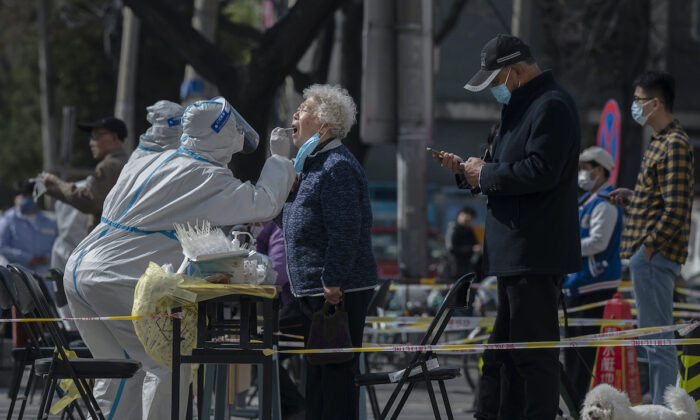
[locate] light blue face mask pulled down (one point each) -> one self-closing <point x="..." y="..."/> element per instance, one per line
<point x="501" y="92"/>
<point x="637" y="110"/>
<point x="27" y="205"/>
<point x="304" y="151"/>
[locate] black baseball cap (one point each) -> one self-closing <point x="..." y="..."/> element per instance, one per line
<point x="501" y="51"/>
<point x="25" y="188"/>
<point x="112" y="124"/>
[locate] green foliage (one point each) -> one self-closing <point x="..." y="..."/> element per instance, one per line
<point x="20" y="124"/>
<point x="83" y="77"/>
<point x="246" y="12"/>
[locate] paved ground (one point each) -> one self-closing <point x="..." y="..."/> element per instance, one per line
<point x="417" y="407"/>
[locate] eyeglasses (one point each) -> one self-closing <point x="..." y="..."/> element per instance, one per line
<point x="304" y="108"/>
<point x="639" y="100"/>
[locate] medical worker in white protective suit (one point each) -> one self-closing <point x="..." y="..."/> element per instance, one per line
<point x="188" y="185"/>
<point x="163" y="134"/>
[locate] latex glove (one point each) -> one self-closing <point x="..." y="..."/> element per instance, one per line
<point x="48" y="179"/>
<point x="281" y="142"/>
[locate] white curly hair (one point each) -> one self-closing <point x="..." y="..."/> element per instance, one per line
<point x="333" y="106"/>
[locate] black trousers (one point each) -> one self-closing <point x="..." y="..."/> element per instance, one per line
<point x="291" y="322"/>
<point x="576" y="370"/>
<point x="522" y="384"/>
<point x="330" y="389"/>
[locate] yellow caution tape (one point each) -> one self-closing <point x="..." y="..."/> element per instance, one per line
<point x="596" y="340"/>
<point x="90" y="318"/>
<point x="215" y="289"/>
<point x="68" y="386"/>
<point x="477" y="348"/>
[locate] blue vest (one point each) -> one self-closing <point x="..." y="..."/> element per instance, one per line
<point x="603" y="270"/>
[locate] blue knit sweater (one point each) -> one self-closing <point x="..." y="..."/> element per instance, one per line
<point x="327" y="225"/>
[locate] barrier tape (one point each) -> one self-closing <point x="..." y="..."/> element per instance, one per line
<point x="470" y="340"/>
<point x="297" y="337"/>
<point x="415" y="322"/>
<point x="477" y="348"/>
<point x="677" y="305"/>
<point x="624" y="286"/>
<point x="91" y="318"/>
<point x="484" y="322"/>
<point x="683" y="329"/>
<point x="688" y="292"/>
<point x="608" y="339"/>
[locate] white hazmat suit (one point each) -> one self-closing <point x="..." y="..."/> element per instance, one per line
<point x="188" y="185"/>
<point x="163" y="134"/>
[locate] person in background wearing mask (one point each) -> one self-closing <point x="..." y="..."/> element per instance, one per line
<point x="26" y="234"/>
<point x="106" y="143"/>
<point x="657" y="226"/>
<point x="531" y="235"/>
<point x="600" y="229"/>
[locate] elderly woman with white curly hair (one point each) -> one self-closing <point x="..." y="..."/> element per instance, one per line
<point x="327" y="222"/>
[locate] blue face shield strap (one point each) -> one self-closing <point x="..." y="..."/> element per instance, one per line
<point x="172" y="122"/>
<point x="220" y="121"/>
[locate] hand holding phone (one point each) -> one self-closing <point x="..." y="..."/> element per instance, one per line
<point x="437" y="155"/>
<point x="622" y="197"/>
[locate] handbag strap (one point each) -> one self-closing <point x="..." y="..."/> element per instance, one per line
<point x="327" y="306"/>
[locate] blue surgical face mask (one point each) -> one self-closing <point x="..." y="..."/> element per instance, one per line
<point x="304" y="151"/>
<point x="27" y="205"/>
<point x="637" y="110"/>
<point x="501" y="92"/>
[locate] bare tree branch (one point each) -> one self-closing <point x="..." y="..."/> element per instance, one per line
<point x="351" y="70"/>
<point x="321" y="60"/>
<point x="176" y="31"/>
<point x="300" y="79"/>
<point x="450" y="21"/>
<point x="251" y="88"/>
<point x="285" y="43"/>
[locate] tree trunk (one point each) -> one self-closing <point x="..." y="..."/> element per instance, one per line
<point x="351" y="70"/>
<point x="250" y="89"/>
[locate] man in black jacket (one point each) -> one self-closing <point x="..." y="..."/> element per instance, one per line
<point x="532" y="236"/>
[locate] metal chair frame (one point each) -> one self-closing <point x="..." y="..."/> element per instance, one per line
<point x="36" y="336"/>
<point x="29" y="283"/>
<point x="457" y="298"/>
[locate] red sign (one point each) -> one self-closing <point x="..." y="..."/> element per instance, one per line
<point x="617" y="366"/>
<point x="609" y="134"/>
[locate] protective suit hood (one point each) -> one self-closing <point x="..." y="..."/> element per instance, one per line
<point x="165" y="130"/>
<point x="210" y="131"/>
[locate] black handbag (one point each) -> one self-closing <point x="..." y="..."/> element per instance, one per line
<point x="329" y="331"/>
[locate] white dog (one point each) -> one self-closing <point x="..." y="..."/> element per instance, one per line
<point x="607" y="403"/>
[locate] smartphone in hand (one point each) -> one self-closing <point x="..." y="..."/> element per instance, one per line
<point x="436" y="154"/>
<point x="607" y="197"/>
